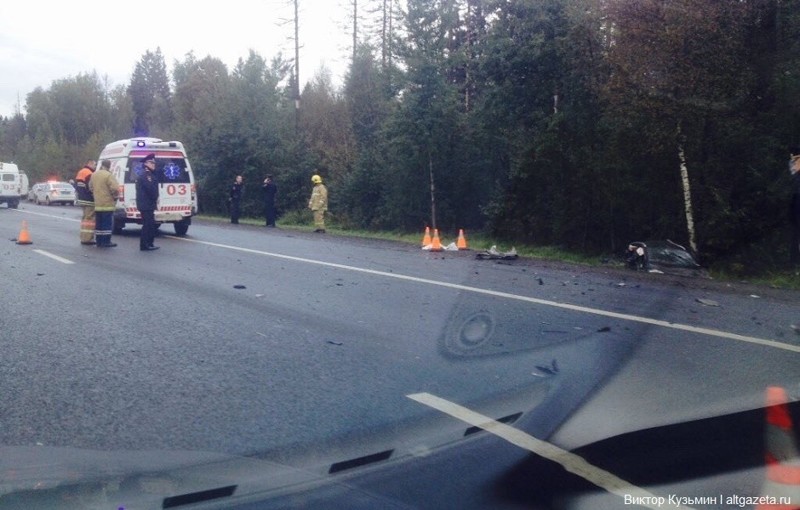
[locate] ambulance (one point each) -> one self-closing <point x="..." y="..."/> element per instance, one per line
<point x="177" y="196"/>
<point x="10" y="185"/>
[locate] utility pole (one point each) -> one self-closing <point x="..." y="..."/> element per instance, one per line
<point x="433" y="188"/>
<point x="388" y="41"/>
<point x="384" y="22"/>
<point x="296" y="67"/>
<point x="355" y="30"/>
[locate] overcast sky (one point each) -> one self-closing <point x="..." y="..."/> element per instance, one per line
<point x="46" y="40"/>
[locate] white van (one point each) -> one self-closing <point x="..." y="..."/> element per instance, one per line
<point x="177" y="200"/>
<point x="10" y="185"/>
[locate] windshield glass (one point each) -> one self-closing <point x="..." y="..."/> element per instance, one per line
<point x="393" y="254"/>
<point x="168" y="170"/>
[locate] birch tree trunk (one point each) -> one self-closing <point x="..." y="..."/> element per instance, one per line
<point x="687" y="192"/>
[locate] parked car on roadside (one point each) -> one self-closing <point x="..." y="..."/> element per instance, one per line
<point x="33" y="190"/>
<point x="54" y="193"/>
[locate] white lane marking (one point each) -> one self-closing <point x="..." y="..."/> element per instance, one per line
<point x="25" y="211"/>
<point x="506" y="295"/>
<point x="569" y="461"/>
<point x="54" y="257"/>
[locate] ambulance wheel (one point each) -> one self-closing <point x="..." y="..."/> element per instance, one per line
<point x="118" y="226"/>
<point x="181" y="227"/>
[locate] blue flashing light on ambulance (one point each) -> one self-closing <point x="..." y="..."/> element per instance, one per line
<point x="177" y="201"/>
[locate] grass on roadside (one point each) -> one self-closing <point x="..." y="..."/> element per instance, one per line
<point x="478" y="241"/>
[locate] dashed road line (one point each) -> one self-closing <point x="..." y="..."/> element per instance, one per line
<point x="25" y="211"/>
<point x="54" y="257"/>
<point x="573" y="463"/>
<point x="506" y="295"/>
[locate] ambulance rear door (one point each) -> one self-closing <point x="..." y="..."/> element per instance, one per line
<point x="9" y="185"/>
<point x="175" y="182"/>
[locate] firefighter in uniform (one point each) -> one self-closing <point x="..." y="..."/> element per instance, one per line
<point x="105" y="188"/>
<point x="318" y="203"/>
<point x="86" y="201"/>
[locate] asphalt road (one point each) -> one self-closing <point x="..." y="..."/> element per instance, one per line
<point x="324" y="353"/>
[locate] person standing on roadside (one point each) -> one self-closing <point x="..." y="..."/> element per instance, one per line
<point x="318" y="203"/>
<point x="147" y="202"/>
<point x="235" y="199"/>
<point x="794" y="208"/>
<point x="270" y="189"/>
<point x="86" y="201"/>
<point x="105" y="188"/>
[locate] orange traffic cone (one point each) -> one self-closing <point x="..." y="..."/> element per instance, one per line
<point x="24" y="237"/>
<point x="436" y="244"/>
<point x="426" y="239"/>
<point x="461" y="243"/>
<point x="781" y="490"/>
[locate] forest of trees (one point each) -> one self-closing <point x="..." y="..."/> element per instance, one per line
<point x="583" y="124"/>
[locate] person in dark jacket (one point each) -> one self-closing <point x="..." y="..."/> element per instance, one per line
<point x="270" y="189"/>
<point x="147" y="202"/>
<point x="236" y="199"/>
<point x="794" y="208"/>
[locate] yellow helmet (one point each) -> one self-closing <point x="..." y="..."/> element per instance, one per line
<point x="316" y="179"/>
